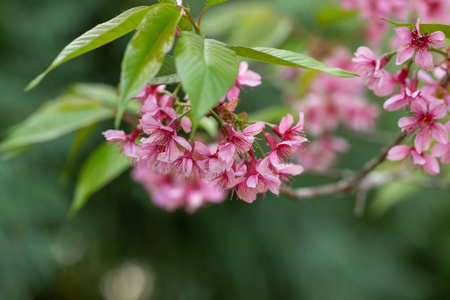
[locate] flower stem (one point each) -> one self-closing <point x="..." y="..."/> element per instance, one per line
<point x="218" y="119"/>
<point x="196" y="27"/>
<point x="260" y="150"/>
<point x="202" y="13"/>
<point x="439" y="51"/>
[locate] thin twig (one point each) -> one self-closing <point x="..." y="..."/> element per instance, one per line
<point x="360" y="181"/>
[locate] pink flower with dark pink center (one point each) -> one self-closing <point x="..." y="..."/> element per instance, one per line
<point x="425" y="125"/>
<point x="246" y="77"/>
<point x="238" y="142"/>
<point x="419" y="44"/>
<point x="127" y="142"/>
<point x="425" y="161"/>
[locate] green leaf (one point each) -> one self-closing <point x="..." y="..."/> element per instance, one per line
<point x="167" y="74"/>
<point x="100" y="168"/>
<point x="80" y="139"/>
<point x="214" y="2"/>
<point x="145" y="52"/>
<point x="105" y="93"/>
<point x="207" y="69"/>
<point x="425" y="28"/>
<point x="96" y="37"/>
<point x="56" y="118"/>
<point x="184" y="24"/>
<point x="168" y="1"/>
<point x="288" y="59"/>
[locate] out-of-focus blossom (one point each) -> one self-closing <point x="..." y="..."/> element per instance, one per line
<point x="377" y="79"/>
<point x="170" y="192"/>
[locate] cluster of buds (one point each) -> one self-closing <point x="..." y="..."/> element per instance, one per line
<point x="328" y="103"/>
<point x="425" y="98"/>
<point x="178" y="171"/>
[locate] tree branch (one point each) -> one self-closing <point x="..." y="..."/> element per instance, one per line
<point x="361" y="181"/>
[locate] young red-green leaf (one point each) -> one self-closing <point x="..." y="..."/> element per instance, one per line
<point x="207" y="69"/>
<point x="100" y="168"/>
<point x="288" y="59"/>
<point x="56" y="118"/>
<point x="425" y="28"/>
<point x="214" y="2"/>
<point x="145" y="52"/>
<point x="96" y="37"/>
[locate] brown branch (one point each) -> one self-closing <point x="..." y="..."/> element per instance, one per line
<point x="360" y="182"/>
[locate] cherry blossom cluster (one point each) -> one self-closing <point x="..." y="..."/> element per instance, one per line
<point x="181" y="171"/>
<point x="423" y="96"/>
<point x="328" y="103"/>
<point x="371" y="11"/>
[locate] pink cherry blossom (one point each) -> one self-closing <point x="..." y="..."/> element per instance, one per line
<point x="425" y="125"/>
<point x="163" y="144"/>
<point x="359" y="114"/>
<point x="410" y="94"/>
<point x="433" y="10"/>
<point x="257" y="182"/>
<point x="246" y="77"/>
<point x="377" y="79"/>
<point x="425" y="161"/>
<point x="419" y="44"/>
<point x="320" y="154"/>
<point x="229" y="179"/>
<point x="160" y="107"/>
<point x="170" y="192"/>
<point x="127" y="142"/>
<point x="238" y="142"/>
<point x="150" y="92"/>
<point x="287" y="132"/>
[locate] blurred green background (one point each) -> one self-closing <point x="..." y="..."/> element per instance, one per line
<point x="119" y="246"/>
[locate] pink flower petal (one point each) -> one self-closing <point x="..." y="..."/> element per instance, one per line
<point x="253" y="129"/>
<point x="404" y="53"/>
<point x="399" y="152"/>
<point x="422" y="141"/>
<point x="424" y="60"/>
<point x="404" y="33"/>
